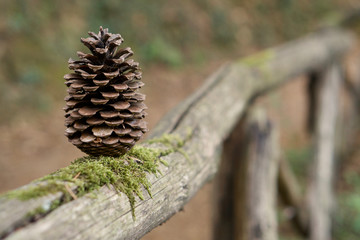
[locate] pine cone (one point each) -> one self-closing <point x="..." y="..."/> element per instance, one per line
<point x="104" y="113"/>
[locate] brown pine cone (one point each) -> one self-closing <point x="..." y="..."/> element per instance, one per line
<point x="104" y="113"/>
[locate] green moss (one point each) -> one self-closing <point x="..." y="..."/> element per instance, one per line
<point x="127" y="174"/>
<point x="174" y="143"/>
<point x="39" y="190"/>
<point x="258" y="59"/>
<point x="259" y="63"/>
<point x="42" y="210"/>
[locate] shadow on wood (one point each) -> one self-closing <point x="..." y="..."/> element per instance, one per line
<point x="247" y="207"/>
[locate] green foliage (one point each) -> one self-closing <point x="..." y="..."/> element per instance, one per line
<point x="280" y="20"/>
<point x="39" y="36"/>
<point x="299" y="159"/>
<point x="347" y="220"/>
<point x="127" y="174"/>
<point x="223" y="29"/>
<point x="158" y="50"/>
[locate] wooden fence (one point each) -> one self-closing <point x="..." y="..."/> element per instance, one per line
<point x="219" y="112"/>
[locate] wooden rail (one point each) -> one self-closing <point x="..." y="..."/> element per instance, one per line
<point x="211" y="114"/>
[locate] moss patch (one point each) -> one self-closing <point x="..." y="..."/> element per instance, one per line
<point x="259" y="62"/>
<point x="126" y="173"/>
<point x="42" y="210"/>
<point x="258" y="59"/>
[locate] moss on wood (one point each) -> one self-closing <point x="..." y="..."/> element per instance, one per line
<point x="42" y="210"/>
<point x="127" y="174"/>
<point x="257" y="59"/>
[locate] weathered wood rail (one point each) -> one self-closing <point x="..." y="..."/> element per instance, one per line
<point x="212" y="114"/>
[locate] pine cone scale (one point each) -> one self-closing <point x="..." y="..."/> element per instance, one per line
<point x="104" y="113"/>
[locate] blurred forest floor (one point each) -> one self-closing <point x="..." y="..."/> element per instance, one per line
<point x="178" y="44"/>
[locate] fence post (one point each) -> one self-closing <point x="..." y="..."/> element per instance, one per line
<point x="320" y="186"/>
<point x="251" y="157"/>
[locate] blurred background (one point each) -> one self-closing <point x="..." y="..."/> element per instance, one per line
<point x="178" y="44"/>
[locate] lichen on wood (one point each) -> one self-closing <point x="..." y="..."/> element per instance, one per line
<point x="127" y="173"/>
<point x="258" y="59"/>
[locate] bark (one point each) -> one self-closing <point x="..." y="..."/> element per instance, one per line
<point x="320" y="189"/>
<point x="259" y="181"/>
<point x="248" y="181"/>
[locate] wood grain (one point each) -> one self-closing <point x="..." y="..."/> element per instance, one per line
<point x="321" y="194"/>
